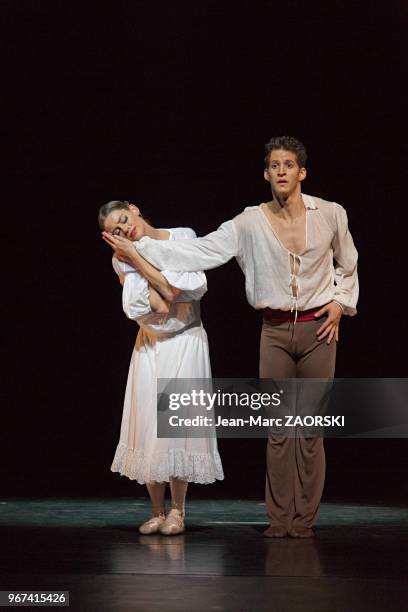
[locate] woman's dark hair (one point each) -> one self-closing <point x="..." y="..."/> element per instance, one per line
<point x="287" y="143"/>
<point x="109" y="207"/>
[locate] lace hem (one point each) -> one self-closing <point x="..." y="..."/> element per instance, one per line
<point x="201" y="468"/>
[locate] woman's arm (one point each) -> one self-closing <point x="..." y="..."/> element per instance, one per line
<point x="157" y="303"/>
<point x="154" y="277"/>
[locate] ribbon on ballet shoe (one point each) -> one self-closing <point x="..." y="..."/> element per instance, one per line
<point x="174" y="523"/>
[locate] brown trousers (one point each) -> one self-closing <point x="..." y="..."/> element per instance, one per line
<point x="295" y="466"/>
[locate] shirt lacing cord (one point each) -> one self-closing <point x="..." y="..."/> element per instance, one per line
<point x="294" y="306"/>
<point x="294" y="283"/>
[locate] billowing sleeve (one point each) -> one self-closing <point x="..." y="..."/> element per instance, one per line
<point x="135" y="292"/>
<point x="192" y="255"/>
<point x="345" y="255"/>
<point x="192" y="284"/>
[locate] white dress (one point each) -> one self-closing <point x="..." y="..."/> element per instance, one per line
<point x="174" y="345"/>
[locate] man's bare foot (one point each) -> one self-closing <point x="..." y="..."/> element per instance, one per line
<point x="275" y="532"/>
<point x="301" y="532"/>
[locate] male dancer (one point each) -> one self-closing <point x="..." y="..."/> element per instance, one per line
<point x="285" y="248"/>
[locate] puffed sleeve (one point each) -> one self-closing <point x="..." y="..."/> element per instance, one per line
<point x="192" y="284"/>
<point x="135" y="292"/>
<point x="192" y="255"/>
<point x="345" y="254"/>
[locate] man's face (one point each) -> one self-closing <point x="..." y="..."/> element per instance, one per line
<point x="283" y="172"/>
<point x="126" y="223"/>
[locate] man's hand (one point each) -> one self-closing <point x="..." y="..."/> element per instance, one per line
<point x="123" y="248"/>
<point x="330" y="327"/>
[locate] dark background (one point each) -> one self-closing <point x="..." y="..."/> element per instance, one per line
<point x="169" y="105"/>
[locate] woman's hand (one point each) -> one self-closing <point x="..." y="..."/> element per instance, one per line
<point x="331" y="326"/>
<point x="123" y="248"/>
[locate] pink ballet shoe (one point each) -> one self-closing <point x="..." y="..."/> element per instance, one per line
<point x="152" y="525"/>
<point x="174" y="523"/>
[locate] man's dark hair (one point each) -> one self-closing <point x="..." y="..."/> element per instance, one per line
<point x="109" y="207"/>
<point x="287" y="143"/>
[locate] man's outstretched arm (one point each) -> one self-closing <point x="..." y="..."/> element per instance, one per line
<point x="204" y="253"/>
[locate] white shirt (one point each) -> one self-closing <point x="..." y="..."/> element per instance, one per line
<point x="183" y="313"/>
<point x="269" y="268"/>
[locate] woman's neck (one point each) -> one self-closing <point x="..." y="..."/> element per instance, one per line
<point x="156" y="234"/>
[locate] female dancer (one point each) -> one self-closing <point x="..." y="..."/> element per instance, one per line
<point x="171" y="343"/>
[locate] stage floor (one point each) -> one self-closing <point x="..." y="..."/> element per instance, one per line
<point x="91" y="547"/>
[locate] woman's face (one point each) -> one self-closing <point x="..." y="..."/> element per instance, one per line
<point x="125" y="222"/>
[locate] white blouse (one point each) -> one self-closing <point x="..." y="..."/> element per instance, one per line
<point x="274" y="277"/>
<point x="183" y="313"/>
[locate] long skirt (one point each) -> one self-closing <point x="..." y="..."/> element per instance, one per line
<point x="140" y="454"/>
